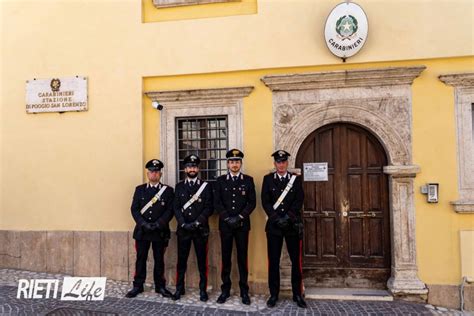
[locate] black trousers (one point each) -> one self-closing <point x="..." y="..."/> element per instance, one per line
<point x="241" y="243"/>
<point x="200" y="247"/>
<point x="142" y="247"/>
<point x="274" y="246"/>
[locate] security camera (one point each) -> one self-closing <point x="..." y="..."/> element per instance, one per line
<point x="157" y="105"/>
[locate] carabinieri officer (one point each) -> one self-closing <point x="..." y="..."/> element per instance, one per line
<point x="282" y="200"/>
<point x="234" y="200"/>
<point x="152" y="210"/>
<point x="192" y="208"/>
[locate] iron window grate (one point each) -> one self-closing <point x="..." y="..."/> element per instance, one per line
<point x="206" y="137"/>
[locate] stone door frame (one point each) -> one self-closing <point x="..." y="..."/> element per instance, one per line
<point x="380" y="101"/>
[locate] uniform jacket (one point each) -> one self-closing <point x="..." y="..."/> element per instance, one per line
<point x="233" y="198"/>
<point x="199" y="210"/>
<point x="161" y="212"/>
<point x="272" y="188"/>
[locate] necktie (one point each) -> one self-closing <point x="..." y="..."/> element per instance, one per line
<point x="234" y="178"/>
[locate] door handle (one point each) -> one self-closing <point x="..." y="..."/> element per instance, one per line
<point x="361" y="214"/>
<point x="372" y="214"/>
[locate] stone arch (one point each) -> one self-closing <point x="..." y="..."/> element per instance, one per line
<point x="310" y="120"/>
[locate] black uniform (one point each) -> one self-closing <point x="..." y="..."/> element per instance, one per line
<point x="290" y="208"/>
<point x="160" y="214"/>
<point x="199" y="211"/>
<point x="234" y="196"/>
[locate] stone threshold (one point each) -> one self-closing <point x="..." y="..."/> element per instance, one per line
<point x="348" y="294"/>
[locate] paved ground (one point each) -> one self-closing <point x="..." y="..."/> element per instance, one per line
<point x="150" y="303"/>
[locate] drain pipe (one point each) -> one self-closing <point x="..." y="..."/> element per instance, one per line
<point x="461" y="290"/>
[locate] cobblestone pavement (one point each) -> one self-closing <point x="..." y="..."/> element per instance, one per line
<point x="150" y="303"/>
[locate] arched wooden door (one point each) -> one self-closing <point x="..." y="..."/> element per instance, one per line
<point x="346" y="219"/>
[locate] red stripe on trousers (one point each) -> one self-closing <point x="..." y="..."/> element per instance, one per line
<point x="301" y="266"/>
<point x="177" y="265"/>
<point x="247" y="261"/>
<point x="136" y="251"/>
<point x="163" y="274"/>
<point x="207" y="264"/>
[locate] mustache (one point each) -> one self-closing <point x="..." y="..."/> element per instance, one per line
<point x="192" y="174"/>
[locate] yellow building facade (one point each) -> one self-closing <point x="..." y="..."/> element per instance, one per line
<point x="262" y="67"/>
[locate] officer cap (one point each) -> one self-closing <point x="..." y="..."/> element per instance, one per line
<point x="191" y="161"/>
<point x="154" y="165"/>
<point x="234" y="154"/>
<point x="280" y="155"/>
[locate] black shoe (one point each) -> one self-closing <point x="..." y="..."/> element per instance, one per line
<point x="203" y="296"/>
<point x="164" y="292"/>
<point x="299" y="301"/>
<point x="272" y="301"/>
<point x="134" y="292"/>
<point x="245" y="299"/>
<point x="223" y="297"/>
<point x="177" y="295"/>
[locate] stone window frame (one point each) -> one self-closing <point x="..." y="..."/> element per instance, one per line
<point x="463" y="84"/>
<point x="197" y="103"/>
<point x="179" y="3"/>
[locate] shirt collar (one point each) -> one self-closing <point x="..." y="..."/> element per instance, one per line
<point x="285" y="176"/>
<point x="230" y="175"/>
<point x="189" y="180"/>
<point x="158" y="185"/>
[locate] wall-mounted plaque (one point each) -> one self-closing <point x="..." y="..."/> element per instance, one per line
<point x="315" y="171"/>
<point x="56" y="95"/>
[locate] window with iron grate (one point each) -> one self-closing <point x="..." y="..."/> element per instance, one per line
<point x="206" y="137"/>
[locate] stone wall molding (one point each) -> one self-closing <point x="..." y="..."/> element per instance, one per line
<point x="402" y="171"/>
<point x="174" y="96"/>
<point x="344" y="78"/>
<point x="178" y="3"/>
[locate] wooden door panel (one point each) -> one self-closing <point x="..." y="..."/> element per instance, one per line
<point x="346" y="218"/>
<point x="374" y="194"/>
<point x="354" y="150"/>
<point x="319" y="206"/>
<point x="376" y="238"/>
<point x="328" y="238"/>
<point x="325" y="148"/>
<point x="310" y="198"/>
<point x="327" y="202"/>
<point x="355" y="193"/>
<point x="373" y="158"/>
<point x="356" y="237"/>
<point x="310" y="240"/>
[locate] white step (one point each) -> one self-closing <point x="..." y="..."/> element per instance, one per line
<point x="348" y="294"/>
